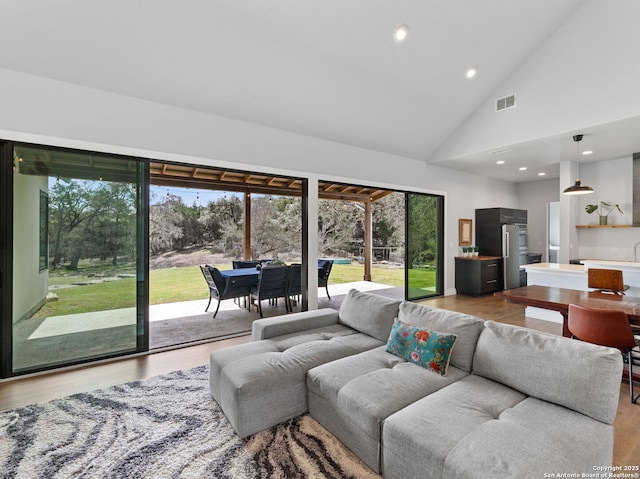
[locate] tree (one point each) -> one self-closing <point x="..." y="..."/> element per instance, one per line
<point x="91" y="219"/>
<point x="164" y="229"/>
<point x="116" y="224"/>
<point x="388" y="220"/>
<point x="218" y="215"/>
<point x="422" y="243"/>
<point x="340" y="227"/>
<point x="192" y="231"/>
<point x="70" y="205"/>
<point x="272" y="233"/>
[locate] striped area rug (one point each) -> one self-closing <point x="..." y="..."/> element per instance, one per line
<point x="163" y="427"/>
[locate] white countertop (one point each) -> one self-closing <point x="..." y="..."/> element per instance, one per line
<point x="559" y="268"/>
<point x="581" y="268"/>
<point x="623" y="265"/>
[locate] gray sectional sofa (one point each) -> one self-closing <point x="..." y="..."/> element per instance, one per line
<point x="513" y="403"/>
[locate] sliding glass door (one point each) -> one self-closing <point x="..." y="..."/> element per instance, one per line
<point x="424" y="246"/>
<point x="78" y="257"/>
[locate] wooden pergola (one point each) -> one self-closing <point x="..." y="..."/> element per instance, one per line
<point x="206" y="178"/>
<point x="66" y="164"/>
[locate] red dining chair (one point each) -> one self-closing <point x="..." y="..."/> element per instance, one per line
<point x="606" y="280"/>
<point x="606" y="327"/>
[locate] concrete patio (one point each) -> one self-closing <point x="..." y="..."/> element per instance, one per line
<point x="60" y="339"/>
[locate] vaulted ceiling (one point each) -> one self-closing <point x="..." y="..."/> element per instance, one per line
<point x="328" y="69"/>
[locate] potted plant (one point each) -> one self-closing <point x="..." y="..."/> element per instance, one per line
<point x="476" y="251"/>
<point x="275" y="262"/>
<point x="600" y="209"/>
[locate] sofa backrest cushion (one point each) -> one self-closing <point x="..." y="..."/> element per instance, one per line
<point x="369" y="313"/>
<point x="465" y="326"/>
<point x="574" y="374"/>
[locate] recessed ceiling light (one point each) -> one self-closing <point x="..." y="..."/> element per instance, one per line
<point x="542" y="173"/>
<point x="522" y="168"/>
<point x="401" y="33"/>
<point x="500" y="162"/>
<point x="587" y="152"/>
<point x="471" y="72"/>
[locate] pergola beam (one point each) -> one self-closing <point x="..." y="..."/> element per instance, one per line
<point x="185" y="176"/>
<point x="188" y="176"/>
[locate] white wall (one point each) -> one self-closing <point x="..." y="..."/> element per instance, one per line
<point x="56" y="113"/>
<point x="534" y="197"/>
<point x="580" y="77"/>
<point x="465" y="193"/>
<point x="612" y="182"/>
<point x="29" y="283"/>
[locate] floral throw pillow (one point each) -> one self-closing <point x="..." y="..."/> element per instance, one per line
<point x="429" y="349"/>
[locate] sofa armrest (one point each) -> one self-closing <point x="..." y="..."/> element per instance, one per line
<point x="293" y="323"/>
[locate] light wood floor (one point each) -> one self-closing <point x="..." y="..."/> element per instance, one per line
<point x="45" y="387"/>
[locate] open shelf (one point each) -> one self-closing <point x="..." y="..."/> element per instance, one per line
<point x="603" y="226"/>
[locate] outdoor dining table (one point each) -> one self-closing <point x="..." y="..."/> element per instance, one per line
<point x="241" y="276"/>
<point x="244" y="276"/>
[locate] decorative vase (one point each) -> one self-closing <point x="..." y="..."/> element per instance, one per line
<point x="603" y="220"/>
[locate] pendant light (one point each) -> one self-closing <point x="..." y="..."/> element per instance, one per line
<point x="577" y="188"/>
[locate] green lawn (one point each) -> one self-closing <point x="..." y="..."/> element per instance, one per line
<point x="418" y="278"/>
<point x="172" y="285"/>
<point x="92" y="297"/>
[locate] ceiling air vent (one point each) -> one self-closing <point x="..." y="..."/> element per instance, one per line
<point x="508" y="101"/>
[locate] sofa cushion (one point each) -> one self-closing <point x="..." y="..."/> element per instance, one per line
<point x="466" y="327"/>
<point x="428" y="349"/>
<point x="293" y="323"/>
<point x="483" y="428"/>
<point x="442" y="420"/>
<point x="264" y="387"/>
<point x="532" y="439"/>
<point x="369" y="313"/>
<point x="352" y="396"/>
<point x="221" y="358"/>
<point x="581" y="376"/>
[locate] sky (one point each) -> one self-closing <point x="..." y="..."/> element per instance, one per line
<point x="190" y="196"/>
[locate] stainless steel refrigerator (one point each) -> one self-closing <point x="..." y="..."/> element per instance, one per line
<point x="503" y="232"/>
<point x="511" y="255"/>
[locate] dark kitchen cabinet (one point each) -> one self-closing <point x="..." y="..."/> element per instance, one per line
<point x="488" y="227"/>
<point x="479" y="275"/>
<point x="503" y="232"/>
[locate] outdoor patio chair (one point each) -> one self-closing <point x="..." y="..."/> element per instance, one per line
<point x="272" y="285"/>
<point x="243" y="264"/>
<point x="324" y="269"/>
<point x="294" y="284"/>
<point x="221" y="289"/>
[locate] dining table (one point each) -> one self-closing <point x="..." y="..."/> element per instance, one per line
<point x="559" y="299"/>
<point x="241" y="276"/>
<point x="244" y="276"/>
